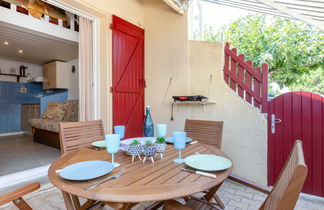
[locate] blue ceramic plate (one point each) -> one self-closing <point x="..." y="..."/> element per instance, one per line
<point x="206" y="162"/>
<point x="86" y="170"/>
<point x="170" y="140"/>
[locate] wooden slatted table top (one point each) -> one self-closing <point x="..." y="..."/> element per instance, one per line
<point x="140" y="182"/>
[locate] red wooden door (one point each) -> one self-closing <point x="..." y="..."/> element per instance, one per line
<point x="292" y="116"/>
<point x="128" y="76"/>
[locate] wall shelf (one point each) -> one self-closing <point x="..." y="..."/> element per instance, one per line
<point x="13" y="75"/>
<point x="188" y="102"/>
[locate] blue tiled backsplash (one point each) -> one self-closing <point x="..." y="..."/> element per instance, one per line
<point x="11" y="99"/>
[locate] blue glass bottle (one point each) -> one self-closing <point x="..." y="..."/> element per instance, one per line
<point x="148" y="123"/>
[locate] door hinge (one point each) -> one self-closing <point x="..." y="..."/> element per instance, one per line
<point x="111" y="89"/>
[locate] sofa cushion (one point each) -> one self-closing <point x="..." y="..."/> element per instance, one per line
<point x="45" y="124"/>
<point x="55" y="111"/>
<point x="72" y="111"/>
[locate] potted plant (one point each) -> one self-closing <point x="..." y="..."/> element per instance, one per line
<point x="160" y="146"/>
<point x="148" y="151"/>
<point x="135" y="149"/>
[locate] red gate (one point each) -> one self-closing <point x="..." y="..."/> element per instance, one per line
<point x="292" y="116"/>
<point x="128" y="76"/>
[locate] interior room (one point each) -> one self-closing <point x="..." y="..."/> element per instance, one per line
<point x="38" y="69"/>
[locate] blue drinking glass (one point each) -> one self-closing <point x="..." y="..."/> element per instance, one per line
<point x="113" y="143"/>
<point x="120" y="129"/>
<point x="161" y="130"/>
<point x="179" y="141"/>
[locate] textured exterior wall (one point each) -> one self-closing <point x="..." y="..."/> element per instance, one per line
<point x="166" y="58"/>
<point x="245" y="128"/>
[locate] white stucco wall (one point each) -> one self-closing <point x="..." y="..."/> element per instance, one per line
<point x="73" y="79"/>
<point x="34" y="70"/>
<point x="245" y="128"/>
<point x="169" y="55"/>
<point x="166" y="61"/>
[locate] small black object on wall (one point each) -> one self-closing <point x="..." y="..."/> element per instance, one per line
<point x="183" y="99"/>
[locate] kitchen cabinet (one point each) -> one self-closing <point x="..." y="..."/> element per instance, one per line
<point x="56" y="75"/>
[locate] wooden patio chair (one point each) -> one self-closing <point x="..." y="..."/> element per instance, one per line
<point x="74" y="135"/>
<point x="207" y="132"/>
<point x="16" y="196"/>
<point x="284" y="194"/>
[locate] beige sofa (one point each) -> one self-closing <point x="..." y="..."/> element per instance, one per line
<point x="46" y="131"/>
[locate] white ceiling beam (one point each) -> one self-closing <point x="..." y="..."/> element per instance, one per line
<point x="293" y="14"/>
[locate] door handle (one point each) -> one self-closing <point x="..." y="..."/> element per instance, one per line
<point x="274" y="121"/>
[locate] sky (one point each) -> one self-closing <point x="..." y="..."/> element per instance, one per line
<point x="214" y="15"/>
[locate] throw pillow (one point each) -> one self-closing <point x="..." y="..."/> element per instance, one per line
<point x="55" y="111"/>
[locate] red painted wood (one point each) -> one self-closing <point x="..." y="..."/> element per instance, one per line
<point x="257" y="88"/>
<point x="264" y="87"/>
<point x="271" y="149"/>
<point x="240" y="75"/>
<point x="302" y="115"/>
<point x="248" y="88"/>
<point x="247" y="81"/>
<point x="226" y="65"/>
<point x="233" y="71"/>
<point x="278" y="136"/>
<point x="317" y="147"/>
<point x="128" y="76"/>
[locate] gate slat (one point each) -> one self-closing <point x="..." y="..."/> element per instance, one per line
<point x="271" y="148"/>
<point x="233" y="70"/>
<point x="307" y="138"/>
<point x="317" y="140"/>
<point x="248" y="81"/>
<point x="296" y="110"/>
<point x="279" y="158"/>
<point x="287" y="119"/>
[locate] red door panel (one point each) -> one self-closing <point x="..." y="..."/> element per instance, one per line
<point x="128" y="76"/>
<point x="299" y="115"/>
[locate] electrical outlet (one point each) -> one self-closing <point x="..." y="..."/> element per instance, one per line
<point x="23" y="90"/>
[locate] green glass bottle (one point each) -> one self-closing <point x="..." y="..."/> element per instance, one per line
<point x="148" y="123"/>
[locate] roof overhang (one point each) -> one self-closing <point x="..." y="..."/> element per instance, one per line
<point x="308" y="11"/>
<point x="180" y="6"/>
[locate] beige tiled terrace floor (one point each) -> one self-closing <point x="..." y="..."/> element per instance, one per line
<point x="235" y="196"/>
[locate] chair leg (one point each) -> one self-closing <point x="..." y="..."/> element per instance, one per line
<point x="21" y="204"/>
<point x="219" y="201"/>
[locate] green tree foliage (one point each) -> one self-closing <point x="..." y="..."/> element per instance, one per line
<point x="294" y="50"/>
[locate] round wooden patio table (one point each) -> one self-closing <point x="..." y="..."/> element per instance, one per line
<point x="140" y="182"/>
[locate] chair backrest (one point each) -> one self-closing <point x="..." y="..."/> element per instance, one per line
<point x="285" y="192"/>
<point x="206" y="132"/>
<point x="74" y="135"/>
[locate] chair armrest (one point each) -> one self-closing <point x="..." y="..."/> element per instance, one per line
<point x="249" y="183"/>
<point x="13" y="195"/>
